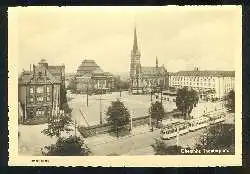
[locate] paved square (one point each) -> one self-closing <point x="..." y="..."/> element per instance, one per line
<point x="138" y="106"/>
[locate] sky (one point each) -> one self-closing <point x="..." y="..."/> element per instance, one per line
<point x="181" y="37"/>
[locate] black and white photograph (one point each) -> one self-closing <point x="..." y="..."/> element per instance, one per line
<point x="120" y="84"/>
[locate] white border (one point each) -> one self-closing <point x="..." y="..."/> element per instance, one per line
<point x="118" y="161"/>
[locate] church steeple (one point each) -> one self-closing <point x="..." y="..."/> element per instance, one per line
<point x="135" y="46"/>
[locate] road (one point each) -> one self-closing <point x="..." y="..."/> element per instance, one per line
<point x="138" y="144"/>
<point x="141" y="144"/>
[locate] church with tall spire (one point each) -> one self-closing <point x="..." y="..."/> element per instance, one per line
<point x="145" y="79"/>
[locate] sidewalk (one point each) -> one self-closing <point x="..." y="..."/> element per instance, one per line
<point x="106" y="138"/>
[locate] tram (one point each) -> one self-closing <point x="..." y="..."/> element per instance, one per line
<point x="172" y="131"/>
<point x="178" y="128"/>
<point x="217" y="118"/>
<point x="198" y="123"/>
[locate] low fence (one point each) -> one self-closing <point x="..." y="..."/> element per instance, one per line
<point x="106" y="128"/>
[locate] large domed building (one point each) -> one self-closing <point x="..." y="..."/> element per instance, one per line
<point x="90" y="77"/>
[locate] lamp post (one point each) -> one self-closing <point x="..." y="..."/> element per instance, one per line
<point x="101" y="106"/>
<point x="120" y="90"/>
<point x="151" y="95"/>
<point x="88" y="94"/>
<point x="131" y="121"/>
<point x="177" y="137"/>
<point x="161" y="93"/>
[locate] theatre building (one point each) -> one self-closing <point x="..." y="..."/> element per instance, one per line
<point x="39" y="91"/>
<point x="209" y="84"/>
<point x="90" y="77"/>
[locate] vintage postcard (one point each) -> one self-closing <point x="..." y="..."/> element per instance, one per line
<point x="125" y="86"/>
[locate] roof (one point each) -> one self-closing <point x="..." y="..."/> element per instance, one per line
<point x="27" y="76"/>
<point x="204" y="73"/>
<point x="151" y="70"/>
<point x="98" y="70"/>
<point x="56" y="69"/>
<point x="135" y="45"/>
<point x="88" y="65"/>
<point x="52" y="78"/>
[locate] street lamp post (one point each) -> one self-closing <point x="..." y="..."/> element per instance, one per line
<point x="88" y="94"/>
<point x="177" y="137"/>
<point x="131" y="122"/>
<point x="151" y="95"/>
<point x="161" y="94"/>
<point x="150" y="121"/>
<point x="101" y="106"/>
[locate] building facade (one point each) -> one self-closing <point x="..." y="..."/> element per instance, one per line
<point x="211" y="84"/>
<point x="145" y="79"/>
<point x="39" y="91"/>
<point x="90" y="77"/>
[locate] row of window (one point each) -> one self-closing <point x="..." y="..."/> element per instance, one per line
<point x="39" y="89"/>
<point x="191" y="79"/>
<point x="40" y="99"/>
<point x="190" y="83"/>
<point x="198" y="88"/>
<point x="227" y="90"/>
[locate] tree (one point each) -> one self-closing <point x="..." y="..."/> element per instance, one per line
<point x="56" y="125"/>
<point x="118" y="116"/>
<point x="157" y="112"/>
<point x="230" y="101"/>
<point x="161" y="148"/>
<point x="63" y="100"/>
<point x="186" y="100"/>
<point x="220" y="136"/>
<point x="72" y="85"/>
<point x="71" y="146"/>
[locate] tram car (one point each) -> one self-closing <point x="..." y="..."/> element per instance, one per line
<point x="216" y="118"/>
<point x="171" y="131"/>
<point x="198" y="123"/>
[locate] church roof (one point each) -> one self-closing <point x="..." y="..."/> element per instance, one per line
<point x="205" y="73"/>
<point x="151" y="70"/>
<point x="135" y="45"/>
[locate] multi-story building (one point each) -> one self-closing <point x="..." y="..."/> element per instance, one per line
<point x="145" y="79"/>
<point x="91" y="77"/>
<point x="39" y="90"/>
<point x="213" y="84"/>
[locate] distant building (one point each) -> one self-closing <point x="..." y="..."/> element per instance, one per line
<point x="39" y="90"/>
<point x="68" y="78"/>
<point x="145" y="79"/>
<point x="212" y="84"/>
<point x="91" y="77"/>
